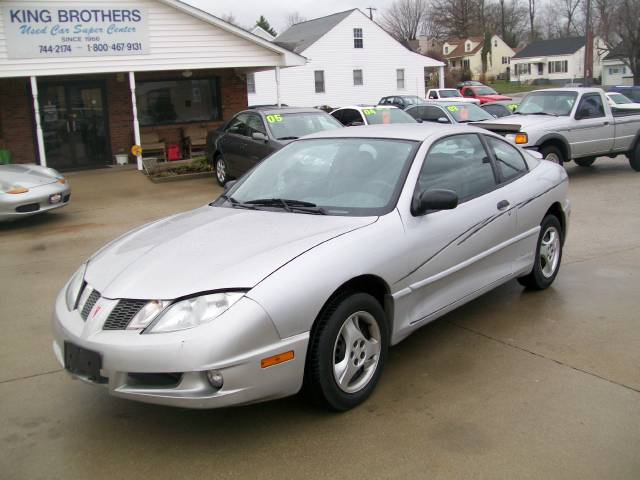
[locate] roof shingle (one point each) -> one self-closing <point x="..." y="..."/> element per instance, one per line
<point x="302" y="35"/>
<point x="557" y="46"/>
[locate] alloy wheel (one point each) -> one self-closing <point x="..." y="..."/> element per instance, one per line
<point x="550" y="251"/>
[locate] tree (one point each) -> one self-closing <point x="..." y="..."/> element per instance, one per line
<point x="404" y="19"/>
<point x="264" y="24"/>
<point x="568" y="11"/>
<point x="459" y="18"/>
<point x="294" y="18"/>
<point x="532" y="19"/>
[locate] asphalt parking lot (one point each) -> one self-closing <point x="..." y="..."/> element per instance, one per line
<point x="513" y="385"/>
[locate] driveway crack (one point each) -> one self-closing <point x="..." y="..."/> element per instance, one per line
<point x="26" y="377"/>
<point x="539" y="355"/>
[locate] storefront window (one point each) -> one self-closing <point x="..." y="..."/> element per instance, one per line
<point x="178" y="101"/>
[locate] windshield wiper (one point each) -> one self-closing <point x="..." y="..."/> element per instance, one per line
<point x="287" y="138"/>
<point x="288" y="205"/>
<point x="236" y="204"/>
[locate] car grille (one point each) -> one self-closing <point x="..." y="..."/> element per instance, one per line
<point x="123" y="313"/>
<point x="31" y="207"/>
<point x="89" y="304"/>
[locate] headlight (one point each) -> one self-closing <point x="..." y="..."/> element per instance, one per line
<point x="193" y="312"/>
<point x="73" y="289"/>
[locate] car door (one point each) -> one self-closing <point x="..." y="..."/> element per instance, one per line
<point x="233" y="144"/>
<point x="255" y="150"/>
<point x="432" y="113"/>
<point x="454" y="254"/>
<point x="592" y="132"/>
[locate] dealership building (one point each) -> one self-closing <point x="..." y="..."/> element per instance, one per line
<point x="82" y="82"/>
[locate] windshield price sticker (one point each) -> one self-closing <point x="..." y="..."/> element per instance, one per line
<point x="452" y="108"/>
<point x="512" y="107"/>
<point x="369" y="111"/>
<point x="276" y="118"/>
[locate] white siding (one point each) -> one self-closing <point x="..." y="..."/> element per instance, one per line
<point x="334" y="53"/>
<point x="575" y="67"/>
<point x="177" y="41"/>
<point x="615" y="72"/>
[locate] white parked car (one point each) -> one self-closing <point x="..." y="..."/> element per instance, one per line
<point x="357" y="115"/>
<point x="448" y="95"/>
<point x="27" y="189"/>
<point x="621" y="102"/>
<point x="309" y="267"/>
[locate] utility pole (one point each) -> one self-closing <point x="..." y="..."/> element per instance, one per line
<point x="371" y="10"/>
<point x="588" y="48"/>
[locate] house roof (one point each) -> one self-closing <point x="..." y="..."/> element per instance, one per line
<point x="557" y="46"/>
<point x="616" y="53"/>
<point x="262" y="33"/>
<point x="459" y="50"/>
<point x="301" y="36"/>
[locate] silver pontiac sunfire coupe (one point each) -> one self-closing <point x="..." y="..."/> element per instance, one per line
<point x="304" y="272"/>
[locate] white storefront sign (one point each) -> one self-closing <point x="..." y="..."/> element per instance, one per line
<point x="45" y="30"/>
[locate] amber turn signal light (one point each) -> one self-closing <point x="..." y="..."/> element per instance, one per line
<point x="16" y="190"/>
<point x="62" y="181"/>
<point x="276" y="359"/>
<point x="521" y="138"/>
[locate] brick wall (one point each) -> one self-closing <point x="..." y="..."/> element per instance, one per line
<point x="16" y="120"/>
<point x="17" y="124"/>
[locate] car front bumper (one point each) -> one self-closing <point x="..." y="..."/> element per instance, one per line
<point x="233" y="344"/>
<point x="33" y="202"/>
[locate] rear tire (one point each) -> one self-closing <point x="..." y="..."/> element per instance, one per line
<point x="585" y="162"/>
<point x="548" y="255"/>
<point x="347" y="352"/>
<point x="634" y="157"/>
<point x="553" y="154"/>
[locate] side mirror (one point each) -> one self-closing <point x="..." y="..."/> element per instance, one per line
<point x="419" y="120"/>
<point x="436" y="199"/>
<point x="443" y="120"/>
<point x="355" y="124"/>
<point x="229" y="184"/>
<point x="259" y="136"/>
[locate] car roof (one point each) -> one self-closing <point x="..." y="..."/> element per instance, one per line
<point x="398" y="131"/>
<point x="571" y="89"/>
<point x="271" y="110"/>
<point x="360" y="107"/>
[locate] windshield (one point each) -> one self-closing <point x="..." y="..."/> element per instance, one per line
<point x="413" y="100"/>
<point x="342" y="176"/>
<point x="468" y="113"/>
<point x="289" y="126"/>
<point x="619" y="99"/>
<point x="550" y="103"/>
<point x="377" y="116"/>
<point x="450" y="93"/>
<point x="485" y="91"/>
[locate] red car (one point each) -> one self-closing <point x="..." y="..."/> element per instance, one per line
<point x="484" y="94"/>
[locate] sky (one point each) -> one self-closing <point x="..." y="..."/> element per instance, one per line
<point x="247" y="12"/>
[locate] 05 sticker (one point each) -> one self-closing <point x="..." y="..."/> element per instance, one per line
<point x="275" y="118"/>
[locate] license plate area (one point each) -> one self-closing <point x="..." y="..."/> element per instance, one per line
<point x="83" y="362"/>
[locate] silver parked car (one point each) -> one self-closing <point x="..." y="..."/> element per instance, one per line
<point x="306" y="270"/>
<point x="30" y="189"/>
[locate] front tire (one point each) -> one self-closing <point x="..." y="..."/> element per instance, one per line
<point x="548" y="255"/>
<point x="585" y="162"/>
<point x="553" y="154"/>
<point x="347" y="352"/>
<point x="222" y="175"/>
<point x="634" y="157"/>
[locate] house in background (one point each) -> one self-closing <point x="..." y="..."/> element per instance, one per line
<point x="350" y="60"/>
<point x="559" y="61"/>
<point x="466" y="54"/>
<point x="615" y="70"/>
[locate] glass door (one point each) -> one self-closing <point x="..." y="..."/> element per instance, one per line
<point x="74" y="125"/>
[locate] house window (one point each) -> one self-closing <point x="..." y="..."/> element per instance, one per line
<point x="357" y="38"/>
<point x="467" y="47"/>
<point x="616" y="71"/>
<point x="170" y="102"/>
<point x="251" y="83"/>
<point x="400" y="78"/>
<point x="453" y="64"/>
<point x="446" y="50"/>
<point x="495" y="43"/>
<point x="505" y="60"/>
<point x="319" y="80"/>
<point x="561" y="66"/>
<point x="357" y="77"/>
<point x="465" y="64"/>
<point x="523" y="68"/>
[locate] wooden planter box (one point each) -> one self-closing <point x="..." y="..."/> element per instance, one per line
<point x="154" y="170"/>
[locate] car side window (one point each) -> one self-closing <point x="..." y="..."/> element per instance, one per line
<point x="238" y="125"/>
<point x="510" y="162"/>
<point x="255" y="124"/>
<point x="338" y="115"/>
<point x="433" y="94"/>
<point x="459" y="163"/>
<point x="432" y="114"/>
<point x="468" y="92"/>
<point x="385" y="101"/>
<point x="350" y="115"/>
<point x="591" y="106"/>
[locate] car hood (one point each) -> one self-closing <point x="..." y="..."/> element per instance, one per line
<point x="209" y="248"/>
<point x="523" y="121"/>
<point x="494" y="98"/>
<point x="27" y="176"/>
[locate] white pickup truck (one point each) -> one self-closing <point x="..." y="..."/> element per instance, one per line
<point x="448" y="95"/>
<point x="572" y="124"/>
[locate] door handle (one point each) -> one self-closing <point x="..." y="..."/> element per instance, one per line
<point x="502" y="204"/>
<point x="606" y="123"/>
